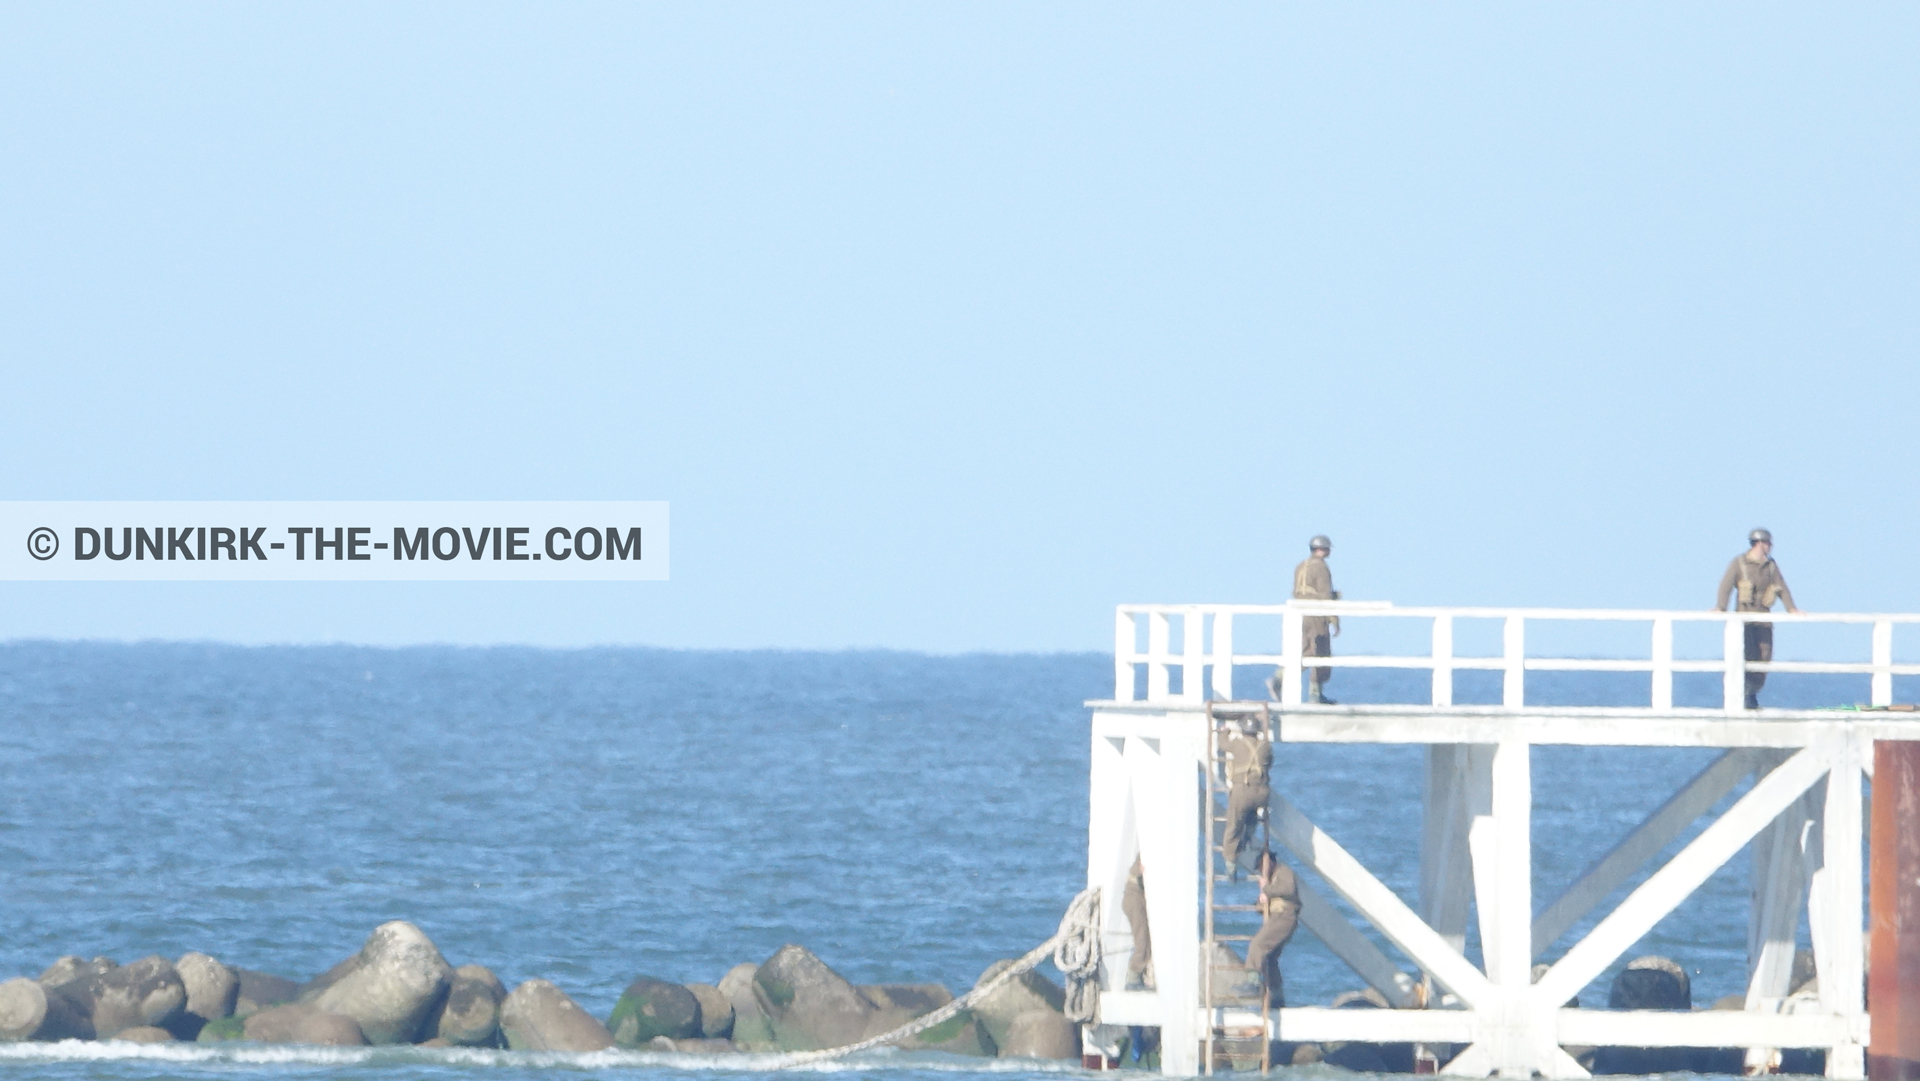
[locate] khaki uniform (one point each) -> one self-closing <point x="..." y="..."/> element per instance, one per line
<point x="1134" y="904"/>
<point x="1754" y="587"/>
<point x="1280" y="898"/>
<point x="1312" y="581"/>
<point x="1249" y="761"/>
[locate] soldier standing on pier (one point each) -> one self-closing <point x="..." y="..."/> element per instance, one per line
<point x="1312" y="581"/>
<point x="1249" y="761"/>
<point x="1756" y="580"/>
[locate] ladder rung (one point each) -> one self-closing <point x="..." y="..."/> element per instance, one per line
<point x="1236" y="908"/>
<point x="1233" y="938"/>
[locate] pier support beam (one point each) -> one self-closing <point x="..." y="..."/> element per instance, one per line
<point x="1836" y="903"/>
<point x="1446" y="884"/>
<point x="1802" y="818"/>
<point x="1894" y="970"/>
<point x="1782" y="855"/>
<point x="1145" y="799"/>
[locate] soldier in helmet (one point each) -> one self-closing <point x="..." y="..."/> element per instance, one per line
<point x="1279" y="913"/>
<point x="1249" y="763"/>
<point x="1312" y="581"/>
<point x="1753" y="580"/>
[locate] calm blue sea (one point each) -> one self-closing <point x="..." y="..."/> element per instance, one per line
<point x="593" y="815"/>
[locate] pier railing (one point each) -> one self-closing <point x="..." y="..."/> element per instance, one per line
<point x="1207" y="655"/>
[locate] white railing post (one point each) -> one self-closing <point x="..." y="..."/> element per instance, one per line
<point x="1223" y="656"/>
<point x="1124" y="637"/>
<point x="1157" y="664"/>
<point x="1513" y="692"/>
<point x="1663" y="663"/>
<point x="1733" y="681"/>
<point x="1290" y="657"/>
<point x="1882" y="662"/>
<point x="1192" y="685"/>
<point x="1443" y="660"/>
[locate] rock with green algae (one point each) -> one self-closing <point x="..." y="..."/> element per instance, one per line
<point x="651" y="1008"/>
<point x="227" y="1028"/>
<point x="752" y="1031"/>
<point x="896" y="1004"/>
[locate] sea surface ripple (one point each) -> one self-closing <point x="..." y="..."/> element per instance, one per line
<point x="589" y="816"/>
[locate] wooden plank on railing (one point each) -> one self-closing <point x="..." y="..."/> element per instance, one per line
<point x="1733" y="679"/>
<point x="1513" y="690"/>
<point x="1662" y="653"/>
<point x="1882" y="663"/>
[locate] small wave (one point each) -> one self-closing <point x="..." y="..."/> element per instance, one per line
<point x="252" y="1054"/>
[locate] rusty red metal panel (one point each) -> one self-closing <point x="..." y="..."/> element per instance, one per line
<point x="1893" y="942"/>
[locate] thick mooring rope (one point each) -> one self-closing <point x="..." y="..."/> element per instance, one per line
<point x="1079" y="932"/>
<point x="1076" y="953"/>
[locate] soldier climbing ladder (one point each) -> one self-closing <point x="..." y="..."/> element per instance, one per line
<point x="1223" y="878"/>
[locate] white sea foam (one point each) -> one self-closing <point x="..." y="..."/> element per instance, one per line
<point x="251" y="1054"/>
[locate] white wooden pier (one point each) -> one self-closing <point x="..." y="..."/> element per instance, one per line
<point x="1802" y="814"/>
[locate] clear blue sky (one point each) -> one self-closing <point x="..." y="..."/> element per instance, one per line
<point x="949" y="327"/>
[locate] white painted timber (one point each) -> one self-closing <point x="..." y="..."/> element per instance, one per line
<point x="1333" y="930"/>
<point x="1701" y="1028"/>
<point x="1324" y="856"/>
<point x="1131" y="1008"/>
<point x="1670" y="885"/>
<point x="1513" y="661"/>
<point x="1803" y="816"/>
<point x="1655" y="832"/>
<point x="1446" y="869"/>
<point x="1839" y="906"/>
<point x="1777" y="883"/>
<point x="1304" y="1023"/>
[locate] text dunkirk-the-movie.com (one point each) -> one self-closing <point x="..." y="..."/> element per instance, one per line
<point x="333" y="541"/>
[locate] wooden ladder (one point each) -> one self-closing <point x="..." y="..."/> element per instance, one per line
<point x="1223" y="895"/>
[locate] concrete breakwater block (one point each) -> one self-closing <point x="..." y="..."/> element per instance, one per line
<point x="1043" y="1034"/>
<point x="538" y="1016"/>
<point x="896" y="1004"/>
<point x="1028" y="992"/>
<point x="716" y="1011"/>
<point x="212" y="990"/>
<point x="811" y="1006"/>
<point x="1648" y="983"/>
<point x="70" y="968"/>
<point x="398" y="988"/>
<point x="29" y="1010"/>
<point x="469" y="1015"/>
<point x="752" y="1028"/>
<point x="305" y="1023"/>
<point x="258" y="990"/>
<point x="146" y="993"/>
<point x="392" y="987"/>
<point x="651" y="1008"/>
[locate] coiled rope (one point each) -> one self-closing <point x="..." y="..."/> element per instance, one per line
<point x="1076" y="953"/>
<point x="1077" y="943"/>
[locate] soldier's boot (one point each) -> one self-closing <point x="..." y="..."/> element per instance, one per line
<point x="1753" y="701"/>
<point x="1317" y="696"/>
<point x="1273" y="687"/>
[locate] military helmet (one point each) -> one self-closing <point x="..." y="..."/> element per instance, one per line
<point x="1759" y="536"/>
<point x="1320" y="541"/>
